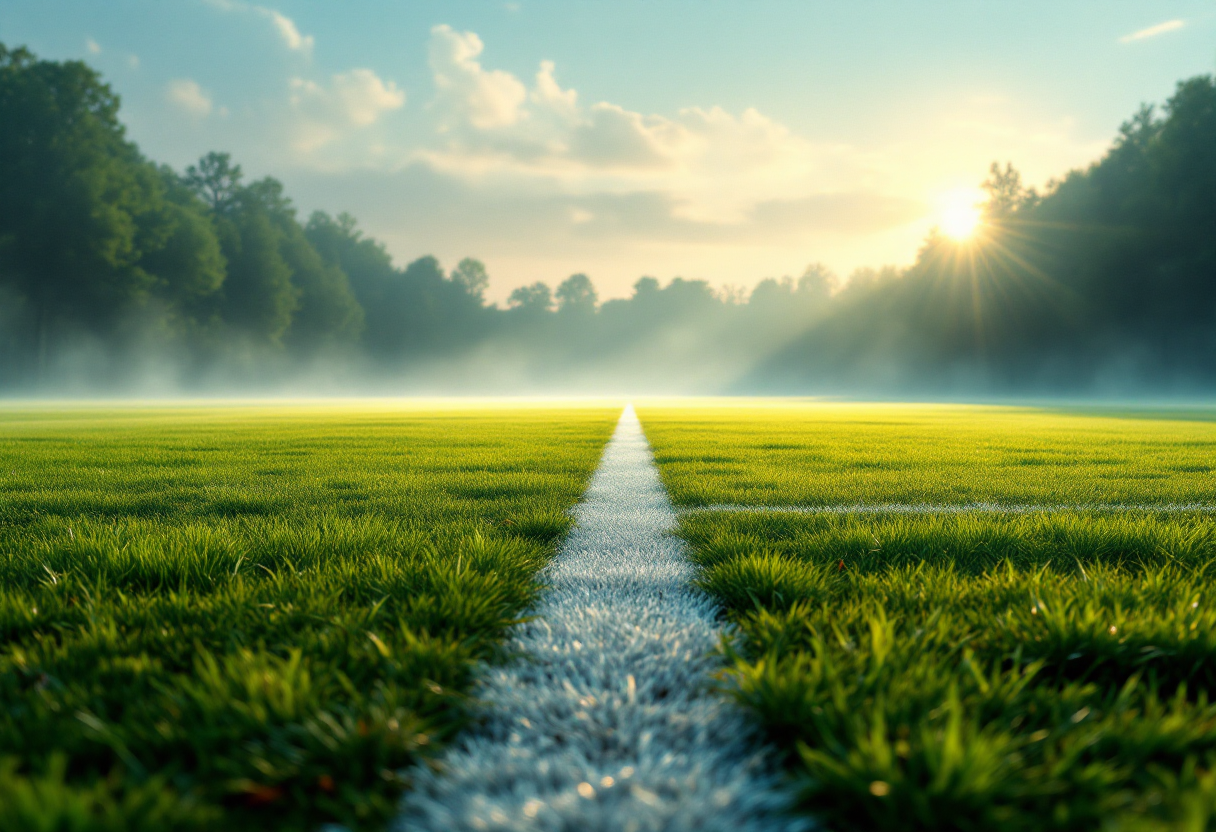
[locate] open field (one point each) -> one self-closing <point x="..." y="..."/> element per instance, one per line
<point x="235" y="617"/>
<point x="802" y="453"/>
<point x="964" y="671"/>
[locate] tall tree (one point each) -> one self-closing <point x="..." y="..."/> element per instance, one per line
<point x="531" y="299"/>
<point x="576" y="295"/>
<point x="471" y="275"/>
<point x="371" y="274"/>
<point x="181" y="249"/>
<point x="73" y="192"/>
<point x="216" y="180"/>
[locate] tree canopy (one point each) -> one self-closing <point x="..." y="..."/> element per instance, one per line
<point x="1107" y="276"/>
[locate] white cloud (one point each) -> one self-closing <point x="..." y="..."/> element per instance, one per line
<point x="286" y="28"/>
<point x="359" y="95"/>
<point x="613" y="137"/>
<point x="92" y="46"/>
<point x="486" y="99"/>
<point x="188" y="96"/>
<point x="356" y="98"/>
<point x="133" y="61"/>
<point x="1153" y="31"/>
<point x="714" y="166"/>
<point x="549" y="94"/>
<point x="520" y="169"/>
<point x="288" y="31"/>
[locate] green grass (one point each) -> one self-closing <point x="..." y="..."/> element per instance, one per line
<point x="963" y="672"/>
<point x="237" y="617"/>
<point x="807" y="453"/>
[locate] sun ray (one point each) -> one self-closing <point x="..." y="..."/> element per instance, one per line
<point x="959" y="216"/>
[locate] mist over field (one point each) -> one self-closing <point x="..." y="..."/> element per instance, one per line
<point x="747" y="416"/>
<point x="120" y="275"/>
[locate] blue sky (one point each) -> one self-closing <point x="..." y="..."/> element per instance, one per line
<point x="725" y="140"/>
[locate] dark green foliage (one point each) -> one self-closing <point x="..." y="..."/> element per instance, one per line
<point x="47" y="803"/>
<point x="259" y="299"/>
<point x="418" y="311"/>
<point x="1112" y="269"/>
<point x="1104" y="282"/>
<point x="371" y="274"/>
<point x="88" y="229"/>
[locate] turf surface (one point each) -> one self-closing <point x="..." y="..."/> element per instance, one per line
<point x="982" y="671"/>
<point x="790" y="453"/>
<point x="257" y="617"/>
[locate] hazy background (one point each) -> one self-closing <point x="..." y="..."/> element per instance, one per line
<point x="723" y="141"/>
<point x="603" y="197"/>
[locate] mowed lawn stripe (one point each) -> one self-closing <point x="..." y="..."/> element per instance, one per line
<point x="968" y="508"/>
<point x="608" y="721"/>
<point x="828" y="454"/>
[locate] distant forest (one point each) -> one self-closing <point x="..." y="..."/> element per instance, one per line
<point x="118" y="274"/>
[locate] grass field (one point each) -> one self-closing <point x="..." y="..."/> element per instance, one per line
<point x="255" y="617"/>
<point x="780" y="453"/>
<point x="1047" y="670"/>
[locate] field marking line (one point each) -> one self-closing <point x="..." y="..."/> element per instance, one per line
<point x="964" y="508"/>
<point x="608" y="720"/>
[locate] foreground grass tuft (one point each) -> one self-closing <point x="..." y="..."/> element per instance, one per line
<point x="1065" y="688"/>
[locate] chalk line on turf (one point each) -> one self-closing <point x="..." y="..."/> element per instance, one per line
<point x="947" y="508"/>
<point x="607" y="721"/>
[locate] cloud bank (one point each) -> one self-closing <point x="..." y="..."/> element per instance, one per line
<point x="716" y="166"/>
<point x="540" y="181"/>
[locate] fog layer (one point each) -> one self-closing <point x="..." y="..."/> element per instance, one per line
<point x="118" y="276"/>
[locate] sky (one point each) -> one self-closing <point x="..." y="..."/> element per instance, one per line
<point x="729" y="141"/>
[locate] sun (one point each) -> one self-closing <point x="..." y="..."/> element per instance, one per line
<point x="960" y="215"/>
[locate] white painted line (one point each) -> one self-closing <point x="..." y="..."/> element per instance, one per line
<point x="965" y="508"/>
<point x="608" y="721"/>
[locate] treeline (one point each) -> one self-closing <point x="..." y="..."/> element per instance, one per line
<point x="116" y="272"/>
<point x="1104" y="283"/>
<point x="102" y="249"/>
<point x="113" y="268"/>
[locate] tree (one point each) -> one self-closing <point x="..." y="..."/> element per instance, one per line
<point x="576" y="295"/>
<point x="471" y="275"/>
<point x="537" y="297"/>
<point x="76" y="198"/>
<point x="183" y="253"/>
<point x="259" y="298"/>
<point x="771" y="292"/>
<point x="375" y="284"/>
<point x="817" y="282"/>
<point x="325" y="311"/>
<point x="645" y="287"/>
<point x="328" y="313"/>
<point x="216" y="180"/>
<point x="1006" y="194"/>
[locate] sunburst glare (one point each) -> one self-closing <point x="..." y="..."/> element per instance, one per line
<point x="959" y="216"/>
